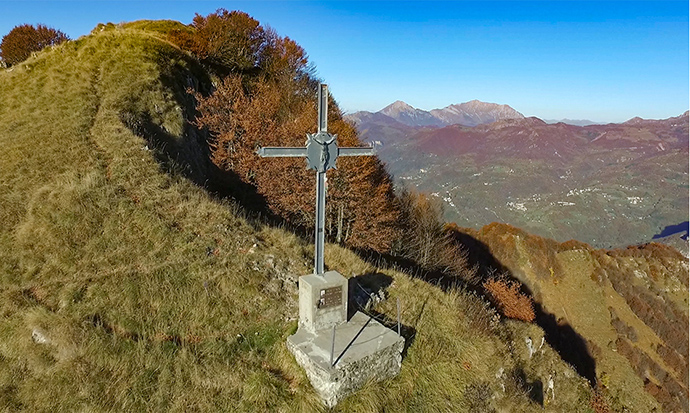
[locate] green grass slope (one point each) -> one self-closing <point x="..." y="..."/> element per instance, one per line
<point x="126" y="287"/>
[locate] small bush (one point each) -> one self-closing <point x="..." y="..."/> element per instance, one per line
<point x="23" y="40"/>
<point x="507" y="296"/>
<point x="425" y="238"/>
<point x="478" y="397"/>
<point x="598" y="402"/>
<point x="421" y="221"/>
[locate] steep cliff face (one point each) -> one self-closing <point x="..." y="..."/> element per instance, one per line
<point x="629" y="306"/>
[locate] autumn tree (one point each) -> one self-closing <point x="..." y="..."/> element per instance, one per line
<point x="360" y="210"/>
<point x="21" y="41"/>
<point x="267" y="98"/>
<point x="225" y="39"/>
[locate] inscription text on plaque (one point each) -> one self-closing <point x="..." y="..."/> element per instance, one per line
<point x="331" y="297"/>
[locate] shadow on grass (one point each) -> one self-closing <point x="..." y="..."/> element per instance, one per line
<point x="562" y="337"/>
<point x="190" y="158"/>
<point x="189" y="155"/>
<point x="534" y="389"/>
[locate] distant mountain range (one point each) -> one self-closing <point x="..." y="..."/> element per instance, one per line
<point x="470" y="113"/>
<point x="576" y="122"/>
<point x="607" y="185"/>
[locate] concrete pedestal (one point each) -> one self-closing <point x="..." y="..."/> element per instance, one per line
<point x="364" y="349"/>
<point x="322" y="301"/>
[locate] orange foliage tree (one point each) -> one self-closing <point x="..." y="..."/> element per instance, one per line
<point x="243" y="115"/>
<point x="229" y="39"/>
<point x="267" y="98"/>
<point x="234" y="42"/>
<point x="507" y="296"/>
<point x="21" y="41"/>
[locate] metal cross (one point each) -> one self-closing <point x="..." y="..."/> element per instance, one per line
<point x="321" y="151"/>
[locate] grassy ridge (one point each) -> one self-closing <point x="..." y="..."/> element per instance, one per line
<point x="124" y="286"/>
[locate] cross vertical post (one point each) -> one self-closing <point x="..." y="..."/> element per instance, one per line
<point x="320" y="236"/>
<point x="375" y="352"/>
<point x="323" y="108"/>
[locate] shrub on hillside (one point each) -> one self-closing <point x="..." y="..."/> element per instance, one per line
<point x="598" y="402"/>
<point x="507" y="296"/>
<point x="230" y="39"/>
<point x="425" y="239"/>
<point x="21" y="41"/>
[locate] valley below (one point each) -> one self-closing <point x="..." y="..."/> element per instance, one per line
<point x="607" y="185"/>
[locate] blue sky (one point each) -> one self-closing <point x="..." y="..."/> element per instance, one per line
<point x="603" y="61"/>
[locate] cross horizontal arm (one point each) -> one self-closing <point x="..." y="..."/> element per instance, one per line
<point x="356" y="151"/>
<point x="281" y="152"/>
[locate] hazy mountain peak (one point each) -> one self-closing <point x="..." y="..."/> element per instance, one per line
<point x="675" y="121"/>
<point x="402" y="112"/>
<point x="475" y="112"/>
<point x="397" y="106"/>
<point x="472" y="113"/>
<point x="634" y="120"/>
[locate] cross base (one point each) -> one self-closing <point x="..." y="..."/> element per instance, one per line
<point x="364" y="350"/>
<point x="322" y="301"/>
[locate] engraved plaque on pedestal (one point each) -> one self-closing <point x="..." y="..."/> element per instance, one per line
<point x="331" y="297"/>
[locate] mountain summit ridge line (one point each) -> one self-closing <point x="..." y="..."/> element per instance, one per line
<point x="471" y="113"/>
